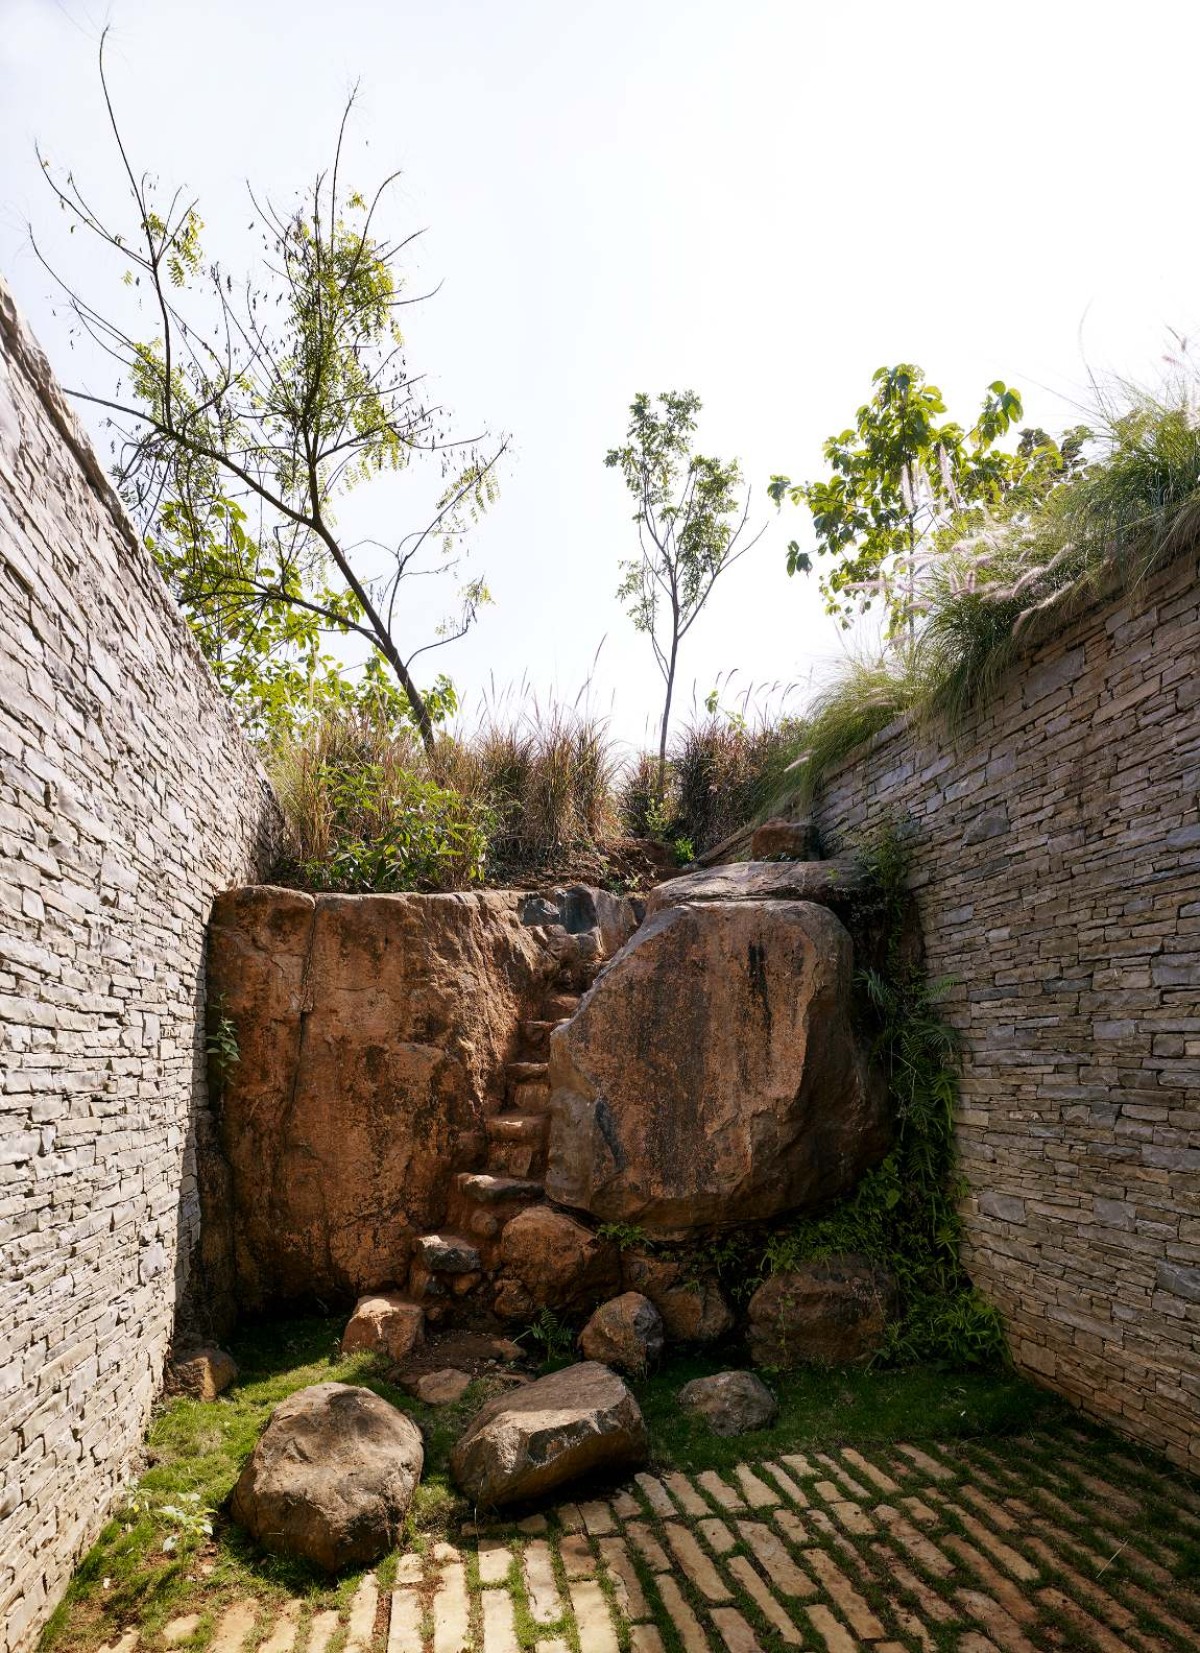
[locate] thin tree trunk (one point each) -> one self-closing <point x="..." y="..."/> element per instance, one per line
<point x="666" y="718"/>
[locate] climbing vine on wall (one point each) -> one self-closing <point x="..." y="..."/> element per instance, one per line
<point x="904" y="1214"/>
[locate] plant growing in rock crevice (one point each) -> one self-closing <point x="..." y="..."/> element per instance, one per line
<point x="904" y="1214"/>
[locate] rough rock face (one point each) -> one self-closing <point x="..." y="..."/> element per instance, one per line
<point x="331" y="1478"/>
<point x="830" y="883"/>
<point x="831" y="1313"/>
<point x="626" y="1333"/>
<point x="731" y="1403"/>
<point x="384" y="1323"/>
<point x="371" y="1031"/>
<point x="563" y="1426"/>
<point x="693" y="1311"/>
<point x="711" y="1076"/>
<point x="552" y="1262"/>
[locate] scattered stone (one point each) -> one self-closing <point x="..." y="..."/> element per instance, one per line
<point x="385" y="1323"/>
<point x="731" y="1403"/>
<point x="556" y="1263"/>
<point x="679" y="1108"/>
<point x="831" y="1313"/>
<point x="202" y="1373"/>
<point x="781" y="840"/>
<point x="693" y="1311"/>
<point x="626" y="1332"/>
<point x="549" y="1432"/>
<point x="331" y="1478"/>
<point x="439" y="1388"/>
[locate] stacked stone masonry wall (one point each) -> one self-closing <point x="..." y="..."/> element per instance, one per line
<point x="127" y="798"/>
<point x="1057" y="869"/>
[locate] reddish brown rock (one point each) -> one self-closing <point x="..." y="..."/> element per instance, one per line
<point x="384" y="1323"/>
<point x="781" y="840"/>
<point x="711" y="1077"/>
<point x="693" y="1310"/>
<point x="830" y="883"/>
<point x="570" y="1424"/>
<point x="831" y="1313"/>
<point x="552" y="1262"/>
<point x="372" y="1034"/>
<point x="331" y="1478"/>
<point x="626" y="1333"/>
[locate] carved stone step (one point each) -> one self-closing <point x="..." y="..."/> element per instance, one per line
<point x="517" y="1127"/>
<point x="443" y="1265"/>
<point x="480" y="1189"/>
<point x="535" y="1038"/>
<point x="529" y="1096"/>
<point x="519" y="1072"/>
<point x="561" y="1006"/>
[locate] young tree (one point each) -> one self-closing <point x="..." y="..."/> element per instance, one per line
<point x="898" y="478"/>
<point x="252" y="407"/>
<point x="691" y="528"/>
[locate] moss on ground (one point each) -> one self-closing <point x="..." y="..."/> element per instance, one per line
<point x="153" y="1561"/>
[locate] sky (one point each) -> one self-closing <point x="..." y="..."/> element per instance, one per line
<point x="760" y="200"/>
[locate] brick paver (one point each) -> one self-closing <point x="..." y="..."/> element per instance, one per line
<point x="903" y="1550"/>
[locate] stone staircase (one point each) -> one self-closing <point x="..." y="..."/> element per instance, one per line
<point x="451" y="1271"/>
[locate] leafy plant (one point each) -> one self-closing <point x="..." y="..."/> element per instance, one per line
<point x="245" y="410"/>
<point x="221" y="1045"/>
<point x="904" y="1214"/>
<point x="899" y="477"/>
<point x="691" y="526"/>
<point x="555" y="1339"/>
<point x="626" y="1236"/>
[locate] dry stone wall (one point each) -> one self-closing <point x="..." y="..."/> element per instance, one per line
<point x="127" y="798"/>
<point x="1057" y="870"/>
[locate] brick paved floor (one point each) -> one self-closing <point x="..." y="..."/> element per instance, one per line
<point x="980" y="1548"/>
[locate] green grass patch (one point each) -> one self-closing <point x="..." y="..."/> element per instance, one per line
<point x="820" y="1409"/>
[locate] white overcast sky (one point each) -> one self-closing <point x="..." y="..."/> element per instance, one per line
<point x="760" y="199"/>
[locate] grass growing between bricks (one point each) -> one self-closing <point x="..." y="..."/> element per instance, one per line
<point x="910" y="1510"/>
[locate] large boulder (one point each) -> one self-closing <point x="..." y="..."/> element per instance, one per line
<point x="550" y="1261"/>
<point x="831" y="1313"/>
<point x="384" y="1323"/>
<point x="830" y="883"/>
<point x="711" y="1077"/>
<point x="731" y="1403"/>
<point x="626" y="1333"/>
<point x="564" y="1426"/>
<point x="372" y="1035"/>
<point x="331" y="1478"/>
<point x="694" y="1309"/>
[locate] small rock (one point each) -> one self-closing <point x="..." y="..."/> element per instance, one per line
<point x="202" y="1373"/>
<point x="447" y="1254"/>
<point x="731" y="1403"/>
<point x="439" y="1388"/>
<point x="385" y="1323"/>
<point x="781" y="840"/>
<point x="331" y="1478"/>
<point x="549" y="1432"/>
<point x="832" y="1313"/>
<point x="626" y="1332"/>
